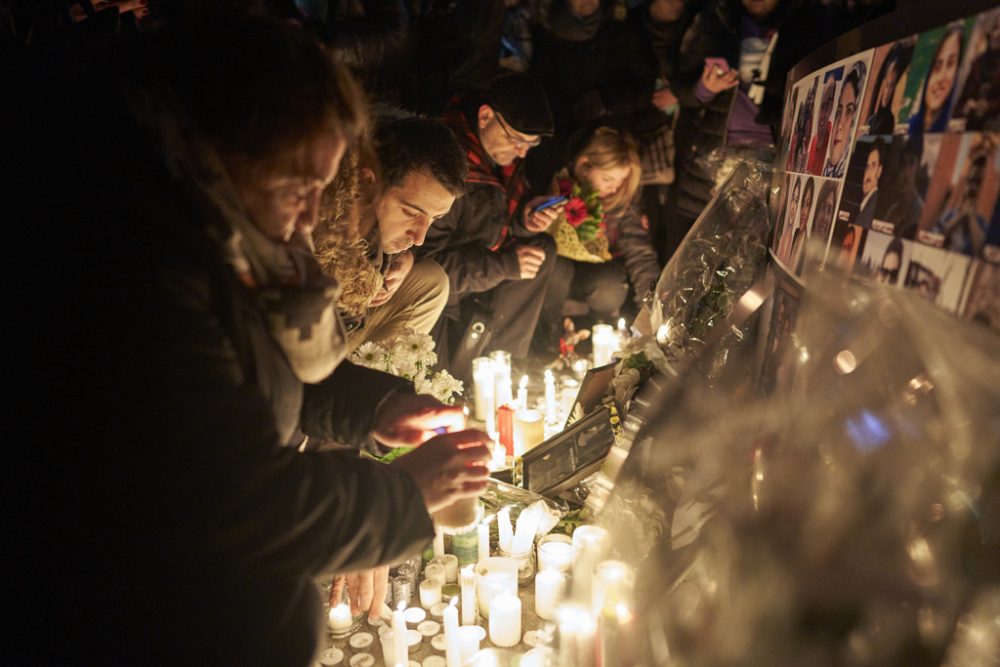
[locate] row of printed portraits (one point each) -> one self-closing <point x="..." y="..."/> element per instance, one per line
<point x="944" y="79"/>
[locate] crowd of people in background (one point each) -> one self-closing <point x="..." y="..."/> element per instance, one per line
<point x="236" y="195"/>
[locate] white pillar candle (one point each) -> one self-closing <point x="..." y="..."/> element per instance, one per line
<point x="469" y="604"/>
<point x="453" y="650"/>
<point x="591" y="545"/>
<point x="522" y="393"/>
<point x="613" y="582"/>
<point x="438" y="544"/>
<point x="430" y="593"/>
<point x="450" y="564"/>
<point x="494" y="576"/>
<point x="605" y="342"/>
<point x="529" y="430"/>
<point x="550" y="589"/>
<point x="401" y="652"/>
<point x="505" y="620"/>
<point x="484" y="540"/>
<point x="470" y="636"/>
<point x="388" y="641"/>
<point x="484" y="384"/>
<point x="505" y="529"/>
<point x="436" y="573"/>
<point x="504" y="393"/>
<point x="340" y="618"/>
<point x="551" y="406"/>
<point x="577" y="629"/>
<point x="555" y="552"/>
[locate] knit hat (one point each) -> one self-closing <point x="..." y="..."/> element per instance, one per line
<point x="522" y="103"/>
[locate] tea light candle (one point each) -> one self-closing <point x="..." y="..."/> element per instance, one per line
<point x="483" y="533"/>
<point x="469" y="604"/>
<point x="484" y="384"/>
<point x="605" y="341"/>
<point x="453" y="647"/>
<point x="361" y="640"/>
<point x="439" y="642"/>
<point x="435" y="572"/>
<point x="555" y="552"/>
<point x="470" y="636"/>
<point x="340" y="619"/>
<point x="362" y="660"/>
<point x="413" y="639"/>
<point x="591" y="545"/>
<point x="428" y="628"/>
<point x="529" y="430"/>
<point x="550" y="589"/>
<point x="437" y="611"/>
<point x="580" y="367"/>
<point x="331" y="656"/>
<point x="551" y="407"/>
<point x="505" y="620"/>
<point x="434" y="661"/>
<point x="430" y="593"/>
<point x="522" y="393"/>
<point x="414" y="615"/>
<point x="401" y="654"/>
<point x="450" y="564"/>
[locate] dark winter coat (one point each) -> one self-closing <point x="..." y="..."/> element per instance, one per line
<point x="157" y="505"/>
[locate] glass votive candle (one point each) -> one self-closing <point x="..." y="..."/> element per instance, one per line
<point x="494" y="575"/>
<point x="340" y="620"/>
<point x="555" y="552"/>
<point x="525" y="565"/>
<point x="591" y="545"/>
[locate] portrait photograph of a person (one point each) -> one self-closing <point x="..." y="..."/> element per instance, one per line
<point x="884" y="97"/>
<point x="978" y="105"/>
<point x="936" y="62"/>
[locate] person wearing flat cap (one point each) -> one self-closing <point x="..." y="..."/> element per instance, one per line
<point x="492" y="244"/>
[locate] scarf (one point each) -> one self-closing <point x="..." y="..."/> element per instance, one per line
<point x="297" y="297"/>
<point x="482" y="171"/>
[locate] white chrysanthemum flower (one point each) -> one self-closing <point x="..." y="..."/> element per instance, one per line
<point x="370" y="355"/>
<point x="406" y="367"/>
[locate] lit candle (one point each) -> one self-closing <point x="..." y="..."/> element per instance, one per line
<point x="623" y="334"/>
<point x="580" y="367"/>
<point x="430" y="593"/>
<point x="340" y="618"/>
<point x="576" y="636"/>
<point x="522" y="393"/>
<point x="453" y="647"/>
<point x="613" y="581"/>
<point x="388" y="641"/>
<point x="503" y="393"/>
<point x="505" y="428"/>
<point x="529" y="431"/>
<point x="506" y="530"/>
<point x="524" y="534"/>
<point x="551" y="406"/>
<point x="605" y="342"/>
<point x="485" y="387"/>
<point x="469" y="604"/>
<point x="450" y="564"/>
<point x="484" y="540"/>
<point x="591" y="545"/>
<point x="401" y="651"/>
<point x="435" y="572"/>
<point x="550" y="589"/>
<point x="555" y="552"/>
<point x="505" y="620"/>
<point x="438" y="543"/>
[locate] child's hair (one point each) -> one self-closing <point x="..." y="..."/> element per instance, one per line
<point x="609" y="148"/>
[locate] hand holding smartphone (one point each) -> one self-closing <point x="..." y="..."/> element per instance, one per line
<point x="549" y="203"/>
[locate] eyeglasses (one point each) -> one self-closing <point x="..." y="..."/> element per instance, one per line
<point x="517" y="141"/>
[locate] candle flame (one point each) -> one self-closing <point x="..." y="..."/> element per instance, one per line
<point x="621" y="322"/>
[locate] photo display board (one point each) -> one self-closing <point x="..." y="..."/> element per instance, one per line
<point x="890" y="160"/>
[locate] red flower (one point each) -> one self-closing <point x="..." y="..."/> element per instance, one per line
<point x="576" y="211"/>
<point x="565" y="186"/>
